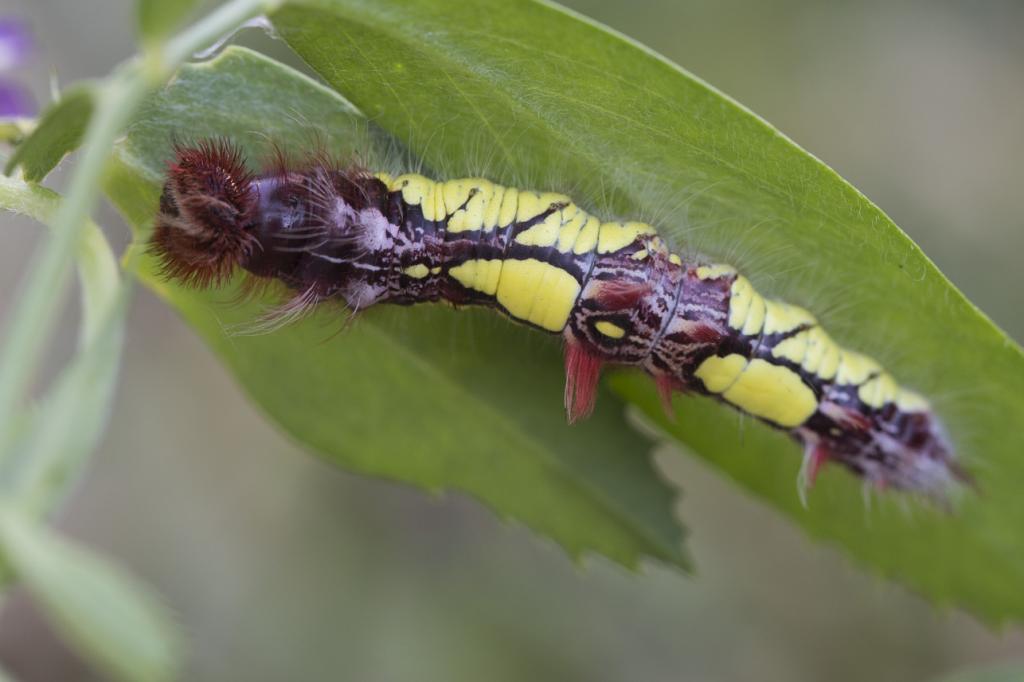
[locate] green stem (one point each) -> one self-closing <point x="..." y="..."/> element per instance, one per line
<point x="35" y="312"/>
<point x="97" y="265"/>
<point x="36" y="309"/>
<point x="68" y="422"/>
<point x="219" y="23"/>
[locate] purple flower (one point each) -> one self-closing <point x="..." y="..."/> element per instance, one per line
<point x="16" y="44"/>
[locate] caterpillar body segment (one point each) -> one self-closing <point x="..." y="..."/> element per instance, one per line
<point x="611" y="289"/>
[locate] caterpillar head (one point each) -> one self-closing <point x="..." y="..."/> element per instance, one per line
<point x="203" y="228"/>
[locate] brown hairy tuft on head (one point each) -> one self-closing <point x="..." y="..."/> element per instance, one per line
<point x="208" y="201"/>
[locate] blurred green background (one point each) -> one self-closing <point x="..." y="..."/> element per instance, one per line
<point x="281" y="567"/>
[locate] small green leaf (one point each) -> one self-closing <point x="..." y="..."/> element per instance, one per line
<point x="429" y="396"/>
<point x="59" y="133"/>
<point x="158" y="18"/>
<point x="525" y="91"/>
<point x="110" y="617"/>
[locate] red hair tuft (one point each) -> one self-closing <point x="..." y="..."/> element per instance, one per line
<point x="582" y="372"/>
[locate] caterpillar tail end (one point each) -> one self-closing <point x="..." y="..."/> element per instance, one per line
<point x="892" y="450"/>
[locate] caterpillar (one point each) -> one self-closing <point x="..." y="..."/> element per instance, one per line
<point x="612" y="290"/>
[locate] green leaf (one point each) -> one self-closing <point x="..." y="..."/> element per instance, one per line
<point x="114" y="620"/>
<point x="439" y="399"/>
<point x="157" y="18"/>
<point x="59" y="133"/>
<point x="522" y="90"/>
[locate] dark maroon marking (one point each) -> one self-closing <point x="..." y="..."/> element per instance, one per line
<point x="619" y="294"/>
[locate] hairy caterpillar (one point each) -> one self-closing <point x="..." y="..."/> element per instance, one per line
<point x="612" y="290"/>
